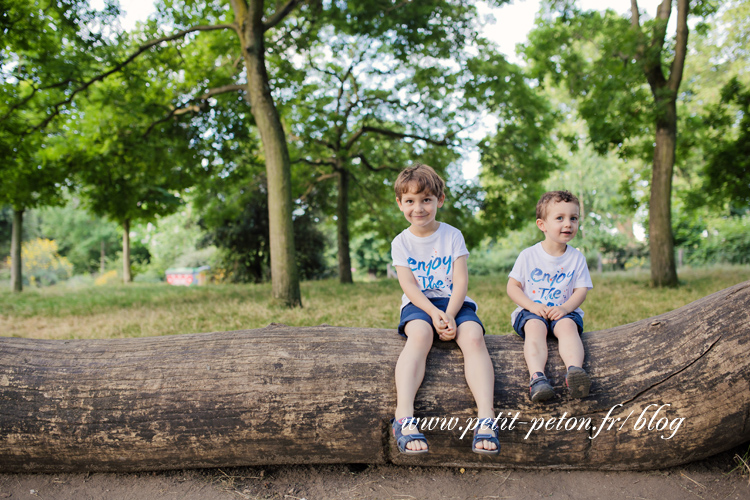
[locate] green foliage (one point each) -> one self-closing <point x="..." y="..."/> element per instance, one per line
<point x="437" y="29"/>
<point x="42" y="265"/>
<point x="38" y="75"/>
<point x="6" y="226"/>
<point x="722" y="240"/>
<point x="370" y="254"/>
<point x="80" y="236"/>
<point x="234" y="215"/>
<point x="489" y="260"/>
<point x="132" y="163"/>
<point x="173" y="241"/>
<point x="592" y="54"/>
<point x="520" y="155"/>
<point x="727" y="170"/>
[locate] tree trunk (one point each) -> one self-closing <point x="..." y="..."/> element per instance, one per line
<point x="102" y="258"/>
<point x="651" y="53"/>
<point x="284" y="276"/>
<point x="661" y="241"/>
<point x="16" y="265"/>
<point x="342" y="213"/>
<point x="126" y="276"/>
<point x="666" y="391"/>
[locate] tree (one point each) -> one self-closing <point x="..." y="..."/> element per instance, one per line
<point x="354" y="121"/>
<point x="277" y="33"/>
<point x="626" y="75"/>
<point x="131" y="164"/>
<point x="35" y="73"/>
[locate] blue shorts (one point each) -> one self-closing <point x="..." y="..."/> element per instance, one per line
<point x="525" y="315"/>
<point x="410" y="312"/>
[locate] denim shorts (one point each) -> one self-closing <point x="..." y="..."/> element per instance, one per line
<point x="525" y="315"/>
<point x="410" y="312"/>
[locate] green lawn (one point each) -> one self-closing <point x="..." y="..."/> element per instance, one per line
<point x="158" y="309"/>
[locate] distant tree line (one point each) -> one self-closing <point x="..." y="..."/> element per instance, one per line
<point x="276" y="120"/>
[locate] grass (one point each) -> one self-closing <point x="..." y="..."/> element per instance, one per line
<point x="139" y="310"/>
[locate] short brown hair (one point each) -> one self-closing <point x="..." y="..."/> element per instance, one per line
<point x="421" y="177"/>
<point x="554" y="197"/>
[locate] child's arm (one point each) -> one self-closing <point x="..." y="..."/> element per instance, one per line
<point x="573" y="303"/>
<point x="414" y="294"/>
<point x="515" y="292"/>
<point x="458" y="296"/>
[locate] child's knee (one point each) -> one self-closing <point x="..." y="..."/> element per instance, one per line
<point x="470" y="335"/>
<point x="419" y="331"/>
<point x="565" y="327"/>
<point x="535" y="328"/>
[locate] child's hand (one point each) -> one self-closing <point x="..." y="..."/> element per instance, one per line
<point x="540" y="310"/>
<point x="440" y="320"/>
<point x="556" y="312"/>
<point x="449" y="331"/>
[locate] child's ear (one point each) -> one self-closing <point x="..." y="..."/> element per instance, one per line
<point x="540" y="224"/>
<point x="441" y="200"/>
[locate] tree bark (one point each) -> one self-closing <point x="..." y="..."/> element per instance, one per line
<point x="342" y="213"/>
<point x="126" y="275"/>
<point x="660" y="238"/>
<point x="666" y="391"/>
<point x="102" y="257"/>
<point x="16" y="265"/>
<point x="284" y="275"/>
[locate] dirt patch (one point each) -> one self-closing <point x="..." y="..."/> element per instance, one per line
<point x="708" y="479"/>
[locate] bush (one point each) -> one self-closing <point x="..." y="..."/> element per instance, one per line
<point x="41" y="264"/>
<point x="492" y="261"/>
<point x="80" y="281"/>
<point x="108" y="278"/>
<point x="725" y="241"/>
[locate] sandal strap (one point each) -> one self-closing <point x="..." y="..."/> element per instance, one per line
<point x="403" y="439"/>
<point x="487" y="422"/>
<point x="495" y="439"/>
<point x="538" y="380"/>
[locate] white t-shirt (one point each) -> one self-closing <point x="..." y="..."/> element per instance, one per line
<point x="430" y="259"/>
<point x="548" y="279"/>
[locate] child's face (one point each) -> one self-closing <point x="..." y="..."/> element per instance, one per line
<point x="561" y="223"/>
<point x="420" y="209"/>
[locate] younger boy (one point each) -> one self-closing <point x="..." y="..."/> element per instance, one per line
<point x="549" y="282"/>
<point x="430" y="260"/>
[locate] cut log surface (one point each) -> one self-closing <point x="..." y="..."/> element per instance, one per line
<point x="666" y="391"/>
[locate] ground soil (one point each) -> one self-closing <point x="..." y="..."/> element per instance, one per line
<point x="710" y="479"/>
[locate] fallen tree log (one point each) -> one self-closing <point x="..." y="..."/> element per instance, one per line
<point x="666" y="391"/>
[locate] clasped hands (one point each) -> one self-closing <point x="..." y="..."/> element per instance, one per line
<point x="444" y="324"/>
<point x="552" y="313"/>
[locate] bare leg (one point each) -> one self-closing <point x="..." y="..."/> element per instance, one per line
<point x="480" y="374"/>
<point x="410" y="370"/>
<point x="535" y="346"/>
<point x="570" y="345"/>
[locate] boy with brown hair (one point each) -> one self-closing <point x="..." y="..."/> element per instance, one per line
<point x="549" y="282"/>
<point x="430" y="260"/>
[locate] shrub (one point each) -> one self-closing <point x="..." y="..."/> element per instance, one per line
<point x="42" y="265"/>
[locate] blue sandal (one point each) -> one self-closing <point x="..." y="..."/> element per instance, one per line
<point x="487" y="422"/>
<point x="403" y="439"/>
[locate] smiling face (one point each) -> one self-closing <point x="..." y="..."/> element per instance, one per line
<point x="560" y="223"/>
<point x="420" y="210"/>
